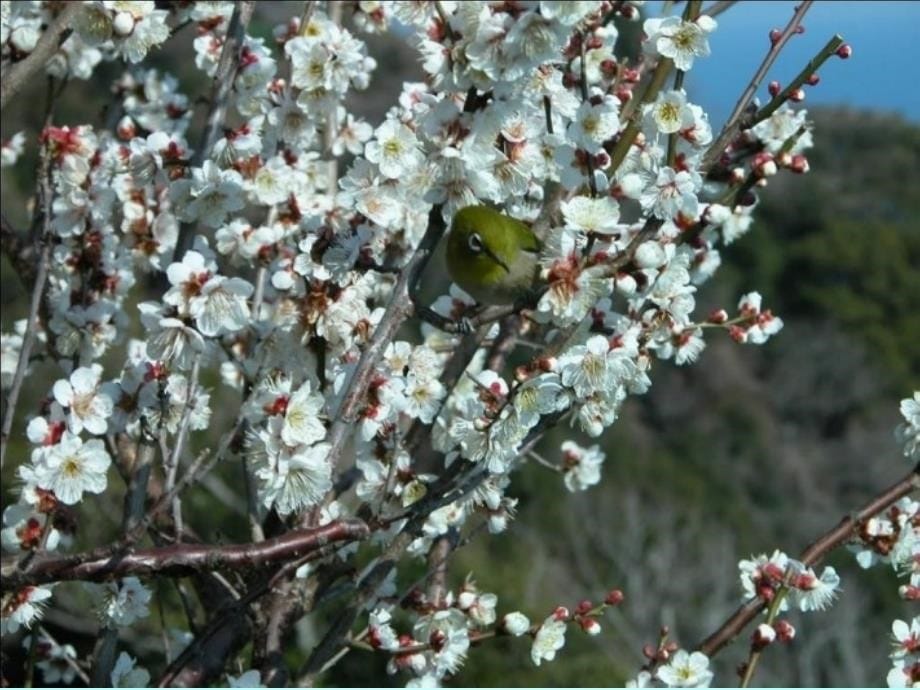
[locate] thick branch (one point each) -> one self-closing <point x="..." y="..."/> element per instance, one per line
<point x="19" y="74"/>
<point x="823" y="545"/>
<point x="184" y="559"/>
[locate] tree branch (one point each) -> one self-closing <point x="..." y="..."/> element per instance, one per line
<point x="813" y="554"/>
<point x="19" y="74"/>
<point x="183" y="559"/>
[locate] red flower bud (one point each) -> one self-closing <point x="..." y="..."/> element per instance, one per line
<point x="775" y="35"/>
<point x="774" y="88"/>
<point x="785" y="631"/>
<point x="614" y="597"/>
<point x="844" y="51"/>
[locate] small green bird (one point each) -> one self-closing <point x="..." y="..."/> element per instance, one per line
<point x="492" y="256"/>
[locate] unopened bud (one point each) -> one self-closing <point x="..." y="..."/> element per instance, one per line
<point x="909" y="592"/>
<point x="785" y="632"/>
<point x="813" y="79"/>
<point x="649" y="651"/>
<point x="799" y="164"/>
<point x="775" y="35"/>
<point x="561" y="613"/>
<point x="123" y="24"/>
<point x="774" y="88"/>
<point x="763" y="636"/>
<point x="797" y="96"/>
<point x="844" y="51"/>
<point x="583" y="607"/>
<point x="126" y="129"/>
<point x="614" y="597"/>
<point x="590" y="625"/>
<point x="737" y="175"/>
<point x="764" y="165"/>
<point x="785" y="159"/>
<point x="718" y="316"/>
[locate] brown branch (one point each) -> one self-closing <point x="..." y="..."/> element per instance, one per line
<point x="222" y="86"/>
<point x="38" y="289"/>
<point x="183" y="559"/>
<point x="21" y="73"/>
<point x="813" y="554"/>
<point x="733" y="124"/>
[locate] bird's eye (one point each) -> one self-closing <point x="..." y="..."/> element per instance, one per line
<point x="475" y="243"/>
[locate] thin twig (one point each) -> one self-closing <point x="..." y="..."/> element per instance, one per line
<point x="41" y="276"/>
<point x="733" y="124"/>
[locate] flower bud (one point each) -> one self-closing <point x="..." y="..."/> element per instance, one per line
<point x="123" y="24"/>
<point x="775" y="35"/>
<point x="785" y="631"/>
<point x="799" y="164"/>
<point x="774" y="88"/>
<point x="590" y="625"/>
<point x="844" y="51"/>
<point x="763" y="636"/>
<point x="797" y="96"/>
<point x="561" y="613"/>
<point x="614" y="597"/>
<point x="515" y="623"/>
<point x="583" y="607"/>
<point x="764" y="165"/>
<point x="813" y="79"/>
<point x="718" y="316"/>
<point x="126" y="129"/>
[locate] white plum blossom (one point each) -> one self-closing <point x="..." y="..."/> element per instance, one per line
<point x="549" y="639"/>
<point x="73" y="467"/>
<point x="394" y="149"/>
<point x="680" y="40"/>
<point x="581" y="466"/>
<point x="24" y="607"/>
<point x="591" y="215"/>
<point x="88" y="404"/>
<point x="515" y="623"/>
<point x="124" y="602"/>
<point x="908" y="433"/>
<point x="686" y="670"/>
<point x="127" y="674"/>
<point x="248" y="679"/>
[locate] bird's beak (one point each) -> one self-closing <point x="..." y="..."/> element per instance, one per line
<point x="495" y="258"/>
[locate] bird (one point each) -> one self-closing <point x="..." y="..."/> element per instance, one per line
<point x="492" y="256"/>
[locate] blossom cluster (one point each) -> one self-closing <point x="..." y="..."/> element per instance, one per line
<point x="278" y="241"/>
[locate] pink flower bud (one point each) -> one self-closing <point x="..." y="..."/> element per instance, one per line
<point x="649" y="651"/>
<point x="785" y="631"/>
<point x="844" y="51"/>
<point x="126" y="129"/>
<point x="718" y="316"/>
<point x="799" y="164"/>
<point x="774" y="88"/>
<point x="614" y="597"/>
<point x="813" y="80"/>
<point x="561" y="613"/>
<point x="763" y="636"/>
<point x="764" y="165"/>
<point x="590" y="625"/>
<point x="583" y="607"/>
<point x="797" y="96"/>
<point x="775" y="35"/>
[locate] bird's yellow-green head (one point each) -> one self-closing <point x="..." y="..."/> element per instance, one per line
<point x="492" y="256"/>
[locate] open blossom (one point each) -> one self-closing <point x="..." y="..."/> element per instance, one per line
<point x="591" y="215"/>
<point x="124" y="602"/>
<point x="581" y="466"/>
<point x="23" y="608"/>
<point x="209" y="196"/>
<point x="670" y="112"/>
<point x="85" y="399"/>
<point x="301" y="418"/>
<point x="682" y="41"/>
<point x="72" y="467"/>
<point x="550" y="638"/>
<point x="394" y="149"/>
<point x="127" y="674"/>
<point x="908" y="433"/>
<point x="595" y="124"/>
<point x="686" y="671"/>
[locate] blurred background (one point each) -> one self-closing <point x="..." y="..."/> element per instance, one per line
<point x="749" y="450"/>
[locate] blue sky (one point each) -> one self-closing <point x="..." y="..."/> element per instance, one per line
<point x="882" y="74"/>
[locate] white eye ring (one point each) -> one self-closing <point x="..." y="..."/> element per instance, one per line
<point x="475" y="243"/>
